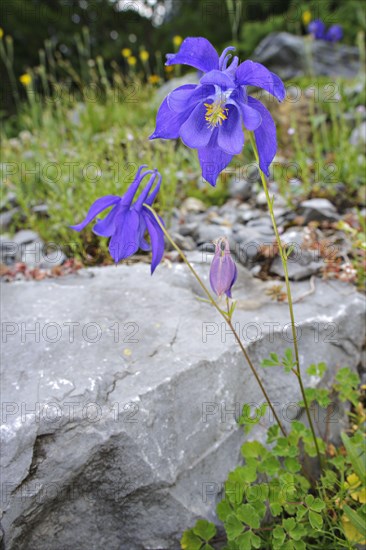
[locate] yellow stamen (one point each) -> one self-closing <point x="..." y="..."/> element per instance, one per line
<point x="216" y="113"/>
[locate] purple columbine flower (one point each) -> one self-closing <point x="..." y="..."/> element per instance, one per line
<point x="128" y="222"/>
<point x="209" y="116"/>
<point x="317" y="29"/>
<point x="334" y="33"/>
<point x="223" y="271"/>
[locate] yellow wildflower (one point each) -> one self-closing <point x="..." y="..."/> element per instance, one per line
<point x="154" y="79"/>
<point x="168" y="68"/>
<point x="306" y="17"/>
<point x="351" y="532"/>
<point x="131" y="60"/>
<point x="177" y="40"/>
<point x="144" y="55"/>
<point x="25" y="79"/>
<point x="1" y="33"/>
<point x="353" y="482"/>
<point x="126" y="52"/>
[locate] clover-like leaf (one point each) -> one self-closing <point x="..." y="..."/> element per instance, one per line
<point x="205" y="529"/>
<point x="249" y="515"/>
<point x="190" y="541"/>
<point x="316" y="520"/>
<point x="233" y="527"/>
<point x="223" y="509"/>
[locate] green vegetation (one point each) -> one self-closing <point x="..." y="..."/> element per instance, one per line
<point x="276" y="500"/>
<point x="82" y="131"/>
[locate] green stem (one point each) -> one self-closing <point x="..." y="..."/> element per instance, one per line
<point x="226" y="317"/>
<point x="289" y="297"/>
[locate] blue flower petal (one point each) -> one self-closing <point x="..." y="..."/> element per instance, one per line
<point x="187" y="96"/>
<point x="168" y="122"/>
<point x="223" y="270"/>
<point x="98" y="206"/>
<point x="251" y="117"/>
<point x="179" y="98"/>
<point x="230" y="135"/>
<point x="156" y="236"/>
<point x="142" y="229"/>
<point x="150" y="199"/>
<point x="125" y="240"/>
<point x="219" y="78"/>
<point x="106" y="227"/>
<point x="196" y="52"/>
<point x="224" y="58"/>
<point x="145" y="192"/>
<point x="265" y="136"/>
<point x="334" y="33"/>
<point x="213" y="160"/>
<point x="128" y="196"/>
<point x="317" y="29"/>
<point x="255" y="74"/>
<point x="195" y="132"/>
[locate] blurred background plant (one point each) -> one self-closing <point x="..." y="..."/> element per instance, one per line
<point x="81" y="84"/>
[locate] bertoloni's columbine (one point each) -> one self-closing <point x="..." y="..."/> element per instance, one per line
<point x="128" y="221"/>
<point x="210" y="116"/>
<point x="223" y="270"/>
<point x="319" y="31"/>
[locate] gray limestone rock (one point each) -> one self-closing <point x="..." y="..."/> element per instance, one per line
<point x="358" y="136"/>
<point x="240" y="189"/>
<point x="7" y="217"/>
<point x="318" y="210"/>
<point x="289" y="56"/>
<point x="120" y="393"/>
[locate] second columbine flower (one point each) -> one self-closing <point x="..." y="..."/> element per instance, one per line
<point x="223" y="270"/>
<point x="210" y="116"/>
<point x="128" y="221"/>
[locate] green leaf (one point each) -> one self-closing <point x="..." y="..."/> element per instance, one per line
<point x="249" y="515"/>
<point x="273" y="433"/>
<point x="252" y="449"/>
<point x="276" y="508"/>
<point x="245" y="541"/>
<point x="190" y="541"/>
<point x="208" y="547"/>
<point x="346" y="384"/>
<point x="288" y="355"/>
<point x="270" y="465"/>
<point x="259" y="506"/>
<point x="223" y="509"/>
<point x="256" y="541"/>
<point x="282" y="447"/>
<point x="279" y="534"/>
<point x="357" y="520"/>
<point x="309" y="499"/>
<point x="269" y="363"/>
<point x="357" y="456"/>
<point x="301" y="512"/>
<point x="233" y="527"/>
<point x="204" y="529"/>
<point x="316" y="521"/>
<point x="317" y="370"/>
<point x="298" y="427"/>
<point x="298" y="532"/>
<point x="317" y="505"/>
<point x="289" y="524"/>
<point x="292" y="465"/>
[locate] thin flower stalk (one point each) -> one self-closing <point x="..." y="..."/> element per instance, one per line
<point x="226" y="316"/>
<point x="289" y="299"/>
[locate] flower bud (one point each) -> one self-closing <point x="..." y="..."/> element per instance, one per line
<point x="223" y="271"/>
